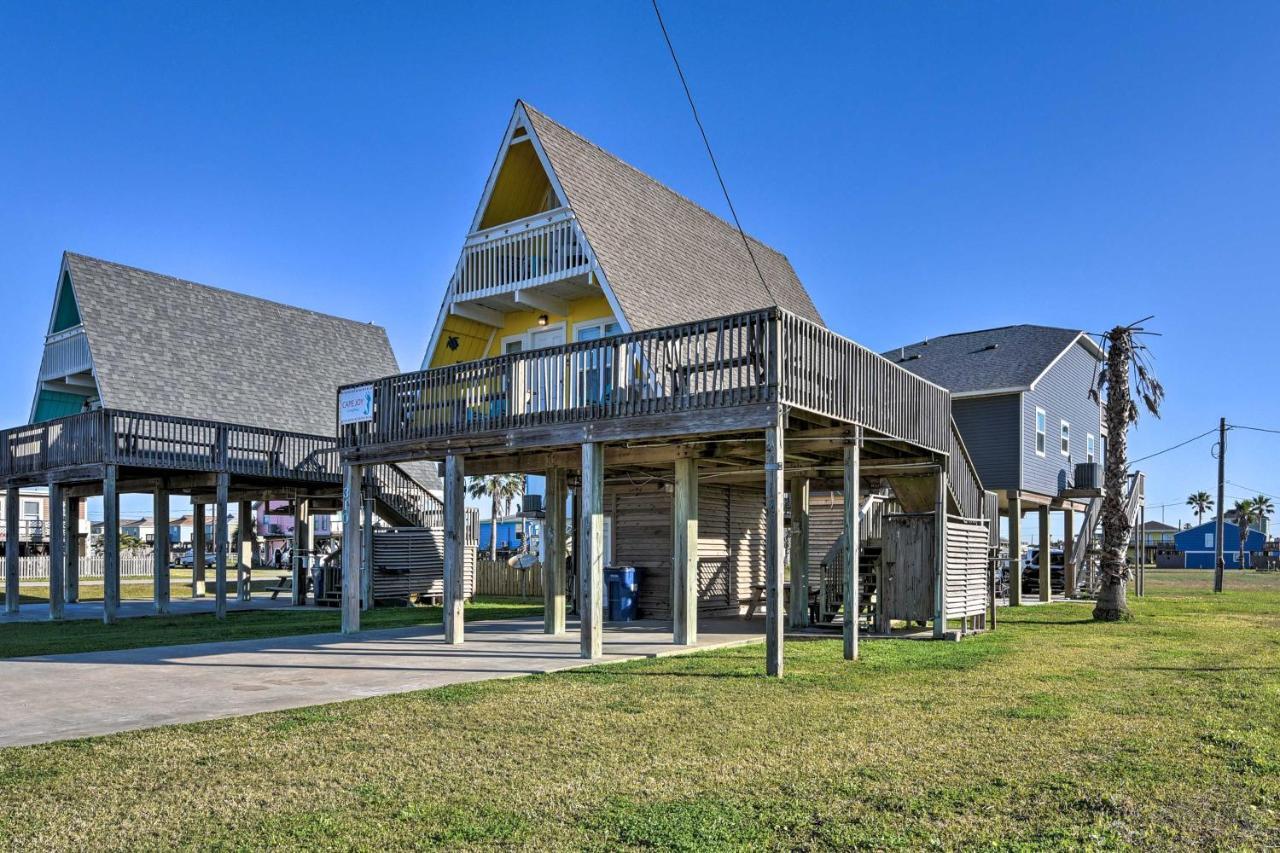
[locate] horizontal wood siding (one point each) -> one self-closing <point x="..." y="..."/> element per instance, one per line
<point x="989" y="427"/>
<point x="642" y="538"/>
<point x="730" y="543"/>
<point x="410" y="561"/>
<point x="1063" y="393"/>
<point x="967" y="560"/>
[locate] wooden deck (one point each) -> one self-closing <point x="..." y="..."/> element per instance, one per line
<point x="77" y="447"/>
<point x="727" y="375"/>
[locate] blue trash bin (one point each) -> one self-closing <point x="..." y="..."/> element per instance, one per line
<point x="623" y="589"/>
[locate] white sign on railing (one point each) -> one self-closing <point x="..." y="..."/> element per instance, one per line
<point x="355" y="405"/>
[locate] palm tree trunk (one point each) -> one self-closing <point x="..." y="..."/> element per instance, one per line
<point x="1244" y="532"/>
<point x="493" y="529"/>
<point x="1112" y="603"/>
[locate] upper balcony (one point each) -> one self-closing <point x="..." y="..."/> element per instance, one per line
<point x="66" y="353"/>
<point x="545" y="252"/>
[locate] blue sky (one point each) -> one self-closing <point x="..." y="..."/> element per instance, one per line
<point x="928" y="167"/>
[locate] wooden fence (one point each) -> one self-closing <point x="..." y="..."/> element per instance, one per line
<point x="132" y="565"/>
<point x="497" y="578"/>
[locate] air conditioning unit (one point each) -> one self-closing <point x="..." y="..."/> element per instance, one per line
<point x="1088" y="475"/>
<point x="532" y="504"/>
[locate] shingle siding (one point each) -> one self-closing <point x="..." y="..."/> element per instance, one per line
<point x="1063" y="393"/>
<point x="989" y="427"/>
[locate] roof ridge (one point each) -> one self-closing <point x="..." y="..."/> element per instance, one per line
<point x="993" y="329"/>
<point x="651" y="179"/>
<point x="226" y="290"/>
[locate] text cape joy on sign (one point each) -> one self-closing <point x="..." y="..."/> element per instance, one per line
<point x="355" y="405"/>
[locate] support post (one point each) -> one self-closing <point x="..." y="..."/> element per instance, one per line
<point x="852" y="547"/>
<point x="773" y="556"/>
<point x="303" y="544"/>
<point x="220" y="546"/>
<point x="366" y="551"/>
<point x="798" y="612"/>
<point x="57" y="550"/>
<point x="160" y="574"/>
<point x="1219" y="561"/>
<point x="1015" y="549"/>
<point x="684" y="577"/>
<point x="72" y="550"/>
<point x="455" y="543"/>
<point x="352" y="522"/>
<point x="591" y="557"/>
<point x="553" y="562"/>
<point x="1142" y="550"/>
<point x="940" y="559"/>
<point x="245" y="542"/>
<point x="1068" y="547"/>
<point x="12" y="549"/>
<point x="110" y="546"/>
<point x="1046" y="560"/>
<point x="198" y="548"/>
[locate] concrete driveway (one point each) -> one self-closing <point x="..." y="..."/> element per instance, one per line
<point x="67" y="696"/>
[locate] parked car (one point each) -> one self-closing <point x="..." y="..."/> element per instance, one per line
<point x="188" y="560"/>
<point x="1031" y="571"/>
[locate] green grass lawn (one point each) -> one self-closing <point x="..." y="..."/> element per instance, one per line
<point x="1162" y="732"/>
<point x="22" y="639"/>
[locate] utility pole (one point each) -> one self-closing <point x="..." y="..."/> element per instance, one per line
<point x="1218" y="564"/>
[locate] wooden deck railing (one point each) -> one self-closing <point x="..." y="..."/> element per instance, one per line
<point x="738" y="360"/>
<point x="526" y="253"/>
<point x="963" y="478"/>
<point x="138" y="439"/>
<point x="403" y="494"/>
<point x="715" y="363"/>
<point x="834" y="376"/>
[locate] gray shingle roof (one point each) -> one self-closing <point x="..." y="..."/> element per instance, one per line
<point x="667" y="259"/>
<point x="172" y="347"/>
<point x="1007" y="358"/>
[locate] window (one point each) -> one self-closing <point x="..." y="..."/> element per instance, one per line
<point x="1208" y="540"/>
<point x="597" y="375"/>
<point x="31" y="509"/>
<point x="1066" y="438"/>
<point x="1090" y="447"/>
<point x="1040" y="428"/>
<point x="513" y="344"/>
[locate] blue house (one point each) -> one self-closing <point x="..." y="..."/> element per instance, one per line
<point x="1196" y="545"/>
<point x="1020" y="398"/>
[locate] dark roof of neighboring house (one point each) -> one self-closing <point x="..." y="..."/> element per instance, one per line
<point x="1159" y="527"/>
<point x="166" y="346"/>
<point x="1010" y="358"/>
<point x="667" y="259"/>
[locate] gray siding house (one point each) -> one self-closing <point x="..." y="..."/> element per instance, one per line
<point x="1021" y="402"/>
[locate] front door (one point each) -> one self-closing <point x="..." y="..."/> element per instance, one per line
<point x="546" y="375"/>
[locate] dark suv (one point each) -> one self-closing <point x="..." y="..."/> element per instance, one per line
<point x="1031" y="571"/>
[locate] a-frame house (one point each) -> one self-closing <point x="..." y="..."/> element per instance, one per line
<point x="674" y="376"/>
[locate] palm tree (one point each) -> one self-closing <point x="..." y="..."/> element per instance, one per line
<point x="1200" y="503"/>
<point x="500" y="489"/>
<point x="1127" y="374"/>
<point x="1246" y="513"/>
<point x="1265" y="509"/>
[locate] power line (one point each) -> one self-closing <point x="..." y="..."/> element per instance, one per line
<point x="707" y="142"/>
<point x="1255" y="429"/>
<point x="1252" y="489"/>
<point x="1175" y="447"/>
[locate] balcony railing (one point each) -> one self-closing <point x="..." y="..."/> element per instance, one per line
<point x="137" y="439"/>
<point x="65" y="353"/>
<point x="526" y="253"/>
<point x="739" y="360"/>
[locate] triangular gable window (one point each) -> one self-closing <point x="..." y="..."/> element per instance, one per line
<point x="66" y="312"/>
